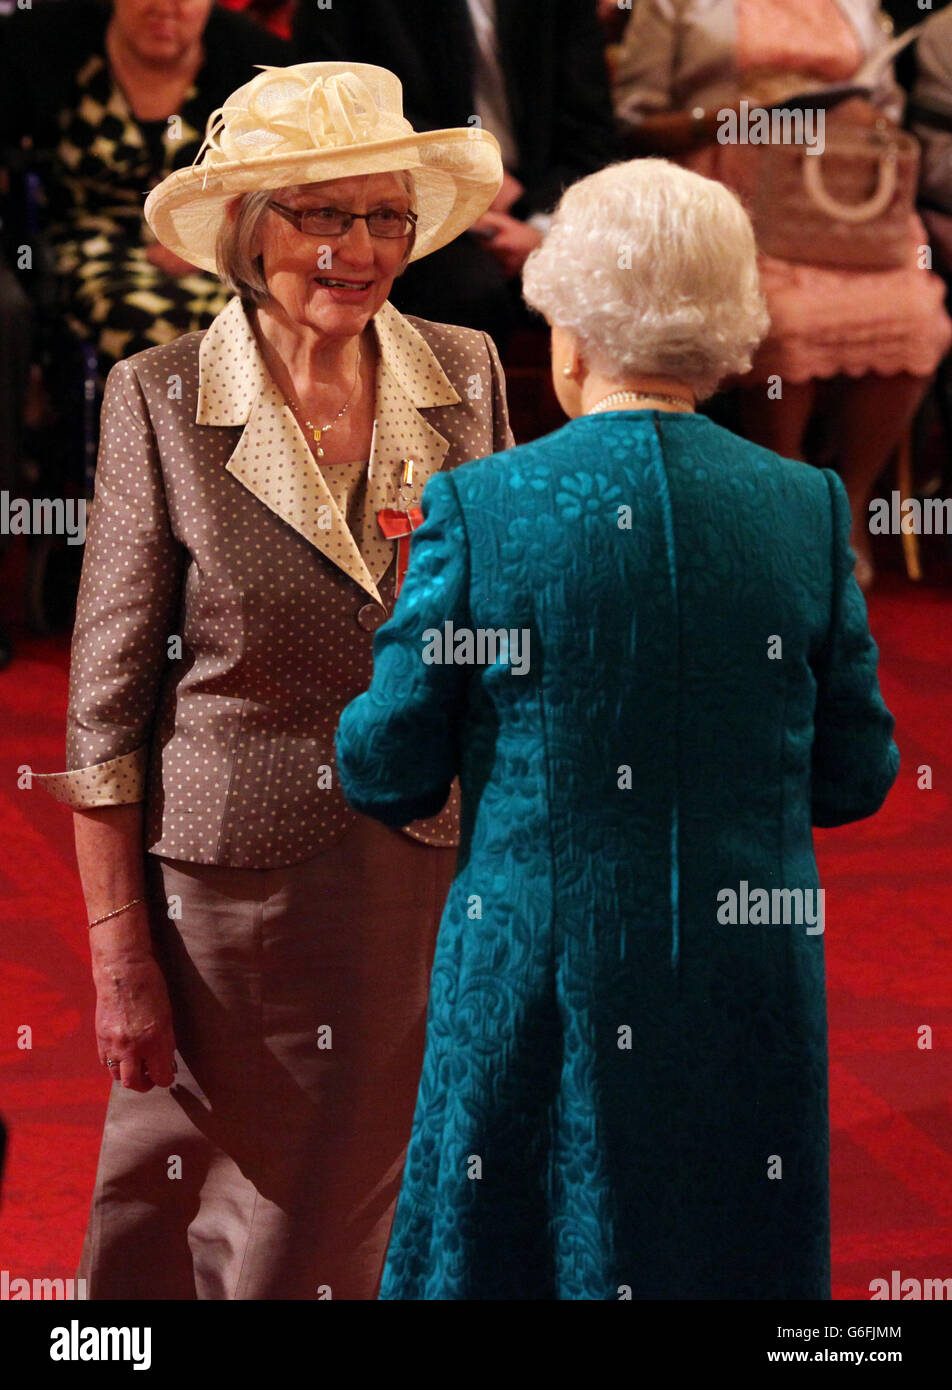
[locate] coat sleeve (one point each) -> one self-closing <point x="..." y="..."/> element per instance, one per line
<point x="397" y="743"/>
<point x="502" y="433"/>
<point x="128" y="605"/>
<point x="932" y="96"/>
<point x="855" y="760"/>
<point x="645" y="69"/>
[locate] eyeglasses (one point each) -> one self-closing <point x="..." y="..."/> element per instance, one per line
<point x="384" y="222"/>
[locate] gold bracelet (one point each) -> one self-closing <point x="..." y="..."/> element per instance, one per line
<point x="115" y="912"/>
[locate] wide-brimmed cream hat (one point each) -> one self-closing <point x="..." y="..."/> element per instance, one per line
<point x="317" y="121"/>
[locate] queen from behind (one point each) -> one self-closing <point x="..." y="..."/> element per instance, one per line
<point x="619" y="1065"/>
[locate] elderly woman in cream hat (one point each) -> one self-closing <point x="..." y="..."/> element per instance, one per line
<point x="626" y="1046"/>
<point x="260" y="952"/>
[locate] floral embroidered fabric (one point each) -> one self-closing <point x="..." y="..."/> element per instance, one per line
<point x="622" y="1093"/>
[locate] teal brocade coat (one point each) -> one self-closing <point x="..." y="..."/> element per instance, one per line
<point x="624" y="1090"/>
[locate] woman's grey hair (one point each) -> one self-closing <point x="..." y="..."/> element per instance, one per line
<point x="653" y="269"/>
<point x="239" y="268"/>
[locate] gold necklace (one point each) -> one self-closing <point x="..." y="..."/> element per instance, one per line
<point x="609" y="402"/>
<point x="318" y="430"/>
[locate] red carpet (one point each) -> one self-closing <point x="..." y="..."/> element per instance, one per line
<point x="889" y="954"/>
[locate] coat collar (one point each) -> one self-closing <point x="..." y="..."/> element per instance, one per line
<point x="272" y="458"/>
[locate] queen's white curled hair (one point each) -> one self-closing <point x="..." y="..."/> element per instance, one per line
<point x="653" y="270"/>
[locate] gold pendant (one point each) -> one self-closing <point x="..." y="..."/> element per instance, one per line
<point x="317" y="436"/>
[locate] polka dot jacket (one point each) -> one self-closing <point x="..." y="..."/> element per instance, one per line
<point x="226" y="610"/>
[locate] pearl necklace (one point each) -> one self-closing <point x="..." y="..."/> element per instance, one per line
<point x="609" y="402"/>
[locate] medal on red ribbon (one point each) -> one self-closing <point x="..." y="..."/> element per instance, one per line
<point x="399" y="526"/>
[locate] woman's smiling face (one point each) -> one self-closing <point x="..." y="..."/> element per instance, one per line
<point x="334" y="285"/>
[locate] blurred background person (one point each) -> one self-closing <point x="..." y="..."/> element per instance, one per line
<point x="930" y="114"/>
<point x="930" y="118"/>
<point x="533" y="74"/>
<point x="628" y="1062"/>
<point x="98" y="102"/>
<point x="856" y="348"/>
<point x="120" y="99"/>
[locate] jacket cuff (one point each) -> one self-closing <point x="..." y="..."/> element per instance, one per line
<point x="114" y="783"/>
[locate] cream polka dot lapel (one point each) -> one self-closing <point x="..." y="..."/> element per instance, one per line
<point x="272" y="458"/>
<point x="409" y="379"/>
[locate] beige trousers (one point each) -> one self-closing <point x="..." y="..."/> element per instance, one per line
<point x="270" y="1170"/>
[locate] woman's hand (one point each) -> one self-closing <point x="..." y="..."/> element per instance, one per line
<point x="167" y="260"/>
<point x="509" y="192"/>
<point x="673" y="133"/>
<point x="134" y="1021"/>
<point x="855" y="111"/>
<point x="133" y="1013"/>
<point x="508" y="239"/>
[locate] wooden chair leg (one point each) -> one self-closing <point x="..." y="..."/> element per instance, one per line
<point x="910" y="542"/>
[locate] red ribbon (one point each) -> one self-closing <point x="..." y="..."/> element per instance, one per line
<point x="399" y="526"/>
